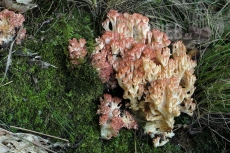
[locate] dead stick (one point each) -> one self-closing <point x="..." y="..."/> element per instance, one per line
<point x="23" y="129"/>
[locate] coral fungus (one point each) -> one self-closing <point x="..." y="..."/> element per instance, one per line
<point x="9" y="25"/>
<point x="112" y="119"/>
<point x="159" y="82"/>
<point x="77" y="50"/>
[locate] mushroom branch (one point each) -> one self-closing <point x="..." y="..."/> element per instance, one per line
<point x="158" y="82"/>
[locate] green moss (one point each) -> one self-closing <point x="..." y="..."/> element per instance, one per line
<point x="58" y="101"/>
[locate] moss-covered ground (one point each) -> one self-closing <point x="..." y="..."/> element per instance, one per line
<point x="43" y="92"/>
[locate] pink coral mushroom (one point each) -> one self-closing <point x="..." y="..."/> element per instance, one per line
<point x="77" y="50"/>
<point x="10" y="23"/>
<point x="157" y="81"/>
<point x="111" y="117"/>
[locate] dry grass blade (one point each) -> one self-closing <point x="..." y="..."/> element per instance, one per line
<point x="23" y="129"/>
<point x="10" y="54"/>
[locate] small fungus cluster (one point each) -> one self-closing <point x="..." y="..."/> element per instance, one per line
<point x="158" y="82"/>
<point x="10" y="23"/>
<point x="112" y="119"/>
<point x="77" y="50"/>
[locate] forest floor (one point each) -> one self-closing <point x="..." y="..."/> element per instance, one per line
<point x="43" y="92"/>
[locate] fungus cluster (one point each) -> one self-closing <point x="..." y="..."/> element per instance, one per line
<point x="10" y="23"/>
<point x="77" y="50"/>
<point x="159" y="82"/>
<point x="112" y="119"/>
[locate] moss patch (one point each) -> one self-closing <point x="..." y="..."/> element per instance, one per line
<point x="46" y="94"/>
